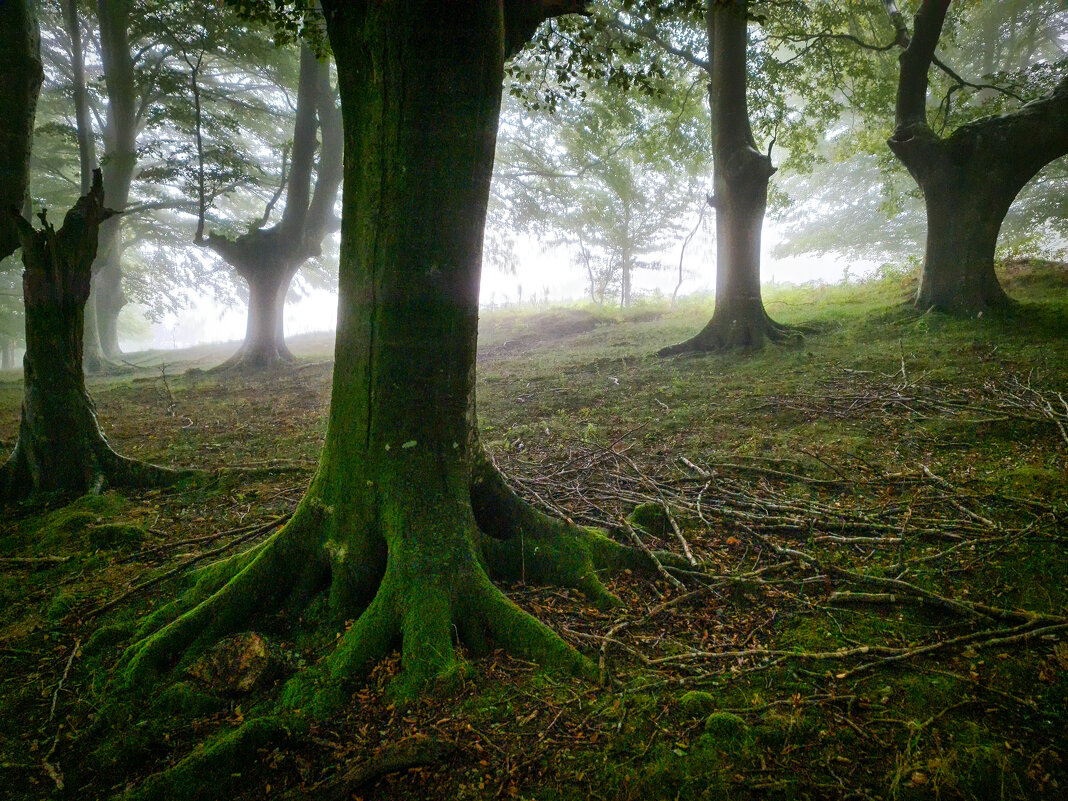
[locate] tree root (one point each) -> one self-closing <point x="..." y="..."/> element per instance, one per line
<point x="425" y="592"/>
<point x="748" y="332"/>
<point x="256" y="359"/>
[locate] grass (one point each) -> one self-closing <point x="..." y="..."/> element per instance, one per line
<point x="567" y="395"/>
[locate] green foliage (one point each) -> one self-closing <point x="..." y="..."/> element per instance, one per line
<point x="615" y="177"/>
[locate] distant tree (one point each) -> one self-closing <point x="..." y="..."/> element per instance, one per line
<point x="741" y="175"/>
<point x="969" y="178"/>
<point x="268" y="257"/>
<point x="964" y="122"/>
<point x="612" y="175"/>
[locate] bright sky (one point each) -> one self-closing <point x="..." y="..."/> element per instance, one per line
<point x="210" y="321"/>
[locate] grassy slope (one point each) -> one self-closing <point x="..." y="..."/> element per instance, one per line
<point x="586" y="421"/>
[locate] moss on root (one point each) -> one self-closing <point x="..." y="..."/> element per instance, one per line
<point x="430" y="593"/>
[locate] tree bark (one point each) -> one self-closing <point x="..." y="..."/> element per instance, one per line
<point x="740" y="183"/>
<point x="93" y="359"/>
<point x="60" y="446"/>
<point x="120" y="154"/>
<point x="21" y="75"/>
<point x="406" y="521"/>
<point x="269" y="258"/>
<point x="970" y="178"/>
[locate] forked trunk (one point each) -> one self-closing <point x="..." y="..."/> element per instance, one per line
<point x="740" y="181"/>
<point x="268" y="258"/>
<point x="969" y="178"/>
<point x="60" y="447"/>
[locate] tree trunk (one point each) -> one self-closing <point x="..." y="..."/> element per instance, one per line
<point x="740" y="180"/>
<point x="7" y="355"/>
<point x="21" y="75"/>
<point x="93" y="359"/>
<point x="60" y="447"/>
<point x="406" y="520"/>
<point x="107" y="286"/>
<point x="970" y="178"/>
<point x="120" y="143"/>
<point x="265" y="343"/>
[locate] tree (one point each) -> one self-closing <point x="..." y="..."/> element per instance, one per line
<point x="268" y="258"/>
<point x="20" y="66"/>
<point x="970" y="178"/>
<point x="407" y="519"/>
<point x="93" y="357"/>
<point x="60" y="447"/>
<point x="740" y="176"/>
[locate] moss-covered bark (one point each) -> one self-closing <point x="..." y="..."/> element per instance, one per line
<point x="740" y="178"/>
<point x="60" y="447"/>
<point x="407" y="522"/>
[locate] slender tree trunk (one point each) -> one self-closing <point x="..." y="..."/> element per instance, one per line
<point x="120" y="142"/>
<point x="740" y="178"/>
<point x="21" y="75"/>
<point x="7" y="354"/>
<point x="970" y="178"/>
<point x="94" y="360"/>
<point x="406" y="520"/>
<point x="110" y="299"/>
<point x="60" y="447"/>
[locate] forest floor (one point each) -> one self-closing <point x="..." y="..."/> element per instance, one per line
<point x="881" y="514"/>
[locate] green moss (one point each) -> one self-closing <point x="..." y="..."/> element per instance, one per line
<point x="697" y="703"/>
<point x="115" y="536"/>
<point x="107" y="636"/>
<point x="186" y="700"/>
<point x="652" y="517"/>
<point x="725" y="726"/>
<point x="61" y="604"/>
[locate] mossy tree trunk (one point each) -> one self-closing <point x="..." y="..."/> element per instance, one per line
<point x="970" y="178"/>
<point x="60" y="446"/>
<point x="740" y="184"/>
<point x="268" y="258"/>
<point x="406" y="521"/>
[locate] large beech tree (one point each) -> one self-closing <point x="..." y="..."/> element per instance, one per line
<point x="268" y="257"/>
<point x="740" y="193"/>
<point x="407" y="521"/>
<point x="970" y="177"/>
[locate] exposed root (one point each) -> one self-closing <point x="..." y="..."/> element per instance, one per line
<point x="257" y="358"/>
<point x="431" y="592"/>
<point x="746" y="332"/>
<point x="198" y="777"/>
<point x="225" y="597"/>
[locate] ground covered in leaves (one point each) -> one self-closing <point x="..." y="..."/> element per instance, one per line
<point x="876" y="518"/>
